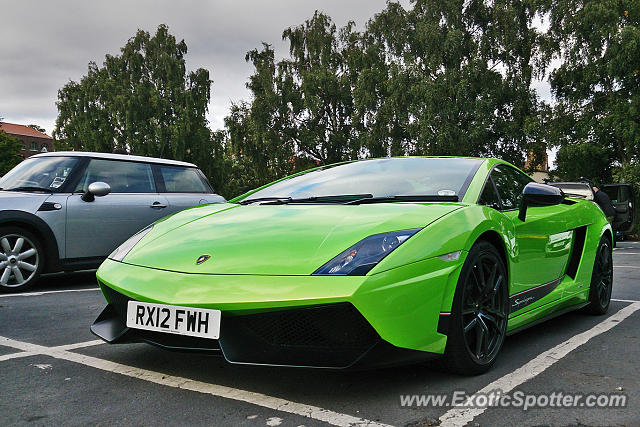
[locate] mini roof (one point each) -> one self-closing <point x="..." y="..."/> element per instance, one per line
<point x="110" y="156"/>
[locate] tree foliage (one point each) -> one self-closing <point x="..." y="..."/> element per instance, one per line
<point x="38" y="128"/>
<point x="143" y="101"/>
<point x="584" y="160"/>
<point x="10" y="148"/>
<point x="438" y="78"/>
<point x="442" y="78"/>
<point x="597" y="85"/>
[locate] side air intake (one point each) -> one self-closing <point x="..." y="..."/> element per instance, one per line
<point x="576" y="251"/>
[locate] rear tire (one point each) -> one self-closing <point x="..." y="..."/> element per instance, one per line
<point x="21" y="259"/>
<point x="479" y="313"/>
<point x="601" y="279"/>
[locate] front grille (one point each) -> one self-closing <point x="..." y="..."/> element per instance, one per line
<point x="321" y="327"/>
<point x="330" y="335"/>
<point x="117" y="300"/>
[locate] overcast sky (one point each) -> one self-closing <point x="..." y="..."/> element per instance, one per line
<point x="44" y="43"/>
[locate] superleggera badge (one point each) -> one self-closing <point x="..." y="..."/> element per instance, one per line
<point x="202" y="258"/>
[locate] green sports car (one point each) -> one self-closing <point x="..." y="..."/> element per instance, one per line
<point x="359" y="264"/>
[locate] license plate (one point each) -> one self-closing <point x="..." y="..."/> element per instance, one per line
<point x="195" y="322"/>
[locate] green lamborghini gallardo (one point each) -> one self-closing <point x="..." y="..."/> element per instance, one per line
<point x="366" y="263"/>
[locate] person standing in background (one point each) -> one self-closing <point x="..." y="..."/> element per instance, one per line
<point x="603" y="200"/>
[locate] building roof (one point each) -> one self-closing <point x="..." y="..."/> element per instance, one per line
<point x="15" y="129"/>
<point x="109" y="156"/>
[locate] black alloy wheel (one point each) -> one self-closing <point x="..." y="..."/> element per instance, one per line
<point x="480" y="312"/>
<point x="601" y="279"/>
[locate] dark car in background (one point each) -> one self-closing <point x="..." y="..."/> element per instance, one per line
<point x="621" y="195"/>
<point x="623" y="200"/>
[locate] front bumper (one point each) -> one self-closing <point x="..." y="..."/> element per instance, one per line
<point x="317" y="321"/>
<point x="332" y="336"/>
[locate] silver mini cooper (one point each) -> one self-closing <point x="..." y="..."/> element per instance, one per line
<point x="66" y="211"/>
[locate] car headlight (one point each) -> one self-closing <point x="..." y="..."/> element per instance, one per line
<point x="364" y="255"/>
<point x="122" y="250"/>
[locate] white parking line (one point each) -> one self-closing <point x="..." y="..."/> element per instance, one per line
<point x="34" y="294"/>
<point x="253" y="398"/>
<point x="61" y="347"/>
<point x="79" y="345"/>
<point x="625" y="266"/>
<point x="629" y="253"/>
<point x="460" y="416"/>
<point x="16" y="355"/>
<point x="624" y="300"/>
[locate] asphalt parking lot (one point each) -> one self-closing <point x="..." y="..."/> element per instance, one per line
<point x="53" y="371"/>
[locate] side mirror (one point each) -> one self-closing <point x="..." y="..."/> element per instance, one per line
<point x="535" y="194"/>
<point x="96" y="189"/>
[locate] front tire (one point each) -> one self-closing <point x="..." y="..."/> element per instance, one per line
<point x="21" y="259"/>
<point x="601" y="279"/>
<point x="479" y="313"/>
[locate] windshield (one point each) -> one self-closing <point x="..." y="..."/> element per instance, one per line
<point x="378" y="178"/>
<point x="46" y="173"/>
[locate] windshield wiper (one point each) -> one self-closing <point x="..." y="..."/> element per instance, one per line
<point x="48" y="190"/>
<point x="338" y="198"/>
<point x="351" y="199"/>
<point x="261" y="199"/>
<point x="403" y="198"/>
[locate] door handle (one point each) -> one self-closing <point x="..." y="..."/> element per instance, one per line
<point x="157" y="205"/>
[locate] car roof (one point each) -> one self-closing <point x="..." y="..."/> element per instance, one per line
<point x="110" y="156"/>
<point x="586" y="184"/>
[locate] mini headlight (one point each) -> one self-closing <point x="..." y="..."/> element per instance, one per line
<point x="122" y="250"/>
<point x="364" y="255"/>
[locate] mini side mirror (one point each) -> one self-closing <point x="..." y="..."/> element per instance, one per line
<point x="535" y="194"/>
<point x="96" y="189"/>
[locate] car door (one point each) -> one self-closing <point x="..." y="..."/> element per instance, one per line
<point x="96" y="228"/>
<point x="184" y="187"/>
<point x="542" y="242"/>
<point x="621" y="196"/>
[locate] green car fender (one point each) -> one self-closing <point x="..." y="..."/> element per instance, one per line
<point x="425" y="283"/>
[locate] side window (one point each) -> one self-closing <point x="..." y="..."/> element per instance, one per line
<point x="489" y="197"/>
<point x="625" y="195"/>
<point x="182" y="180"/>
<point x="510" y="184"/>
<point x="123" y="177"/>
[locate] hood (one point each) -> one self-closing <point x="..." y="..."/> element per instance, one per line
<point x="274" y="240"/>
<point x="22" y="201"/>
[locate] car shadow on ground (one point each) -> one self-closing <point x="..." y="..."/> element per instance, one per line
<point x="63" y="281"/>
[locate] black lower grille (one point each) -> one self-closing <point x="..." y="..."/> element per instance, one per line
<point x="330" y="335"/>
<point x="322" y="327"/>
<point x="117" y="300"/>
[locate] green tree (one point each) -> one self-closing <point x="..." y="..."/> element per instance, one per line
<point x="597" y="85"/>
<point x="142" y="101"/>
<point x="584" y="160"/>
<point x="442" y="78"/>
<point x="10" y="148"/>
<point x="320" y="89"/>
<point x="261" y="134"/>
<point x="38" y="128"/>
<point x="381" y="83"/>
<point x="453" y="78"/>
